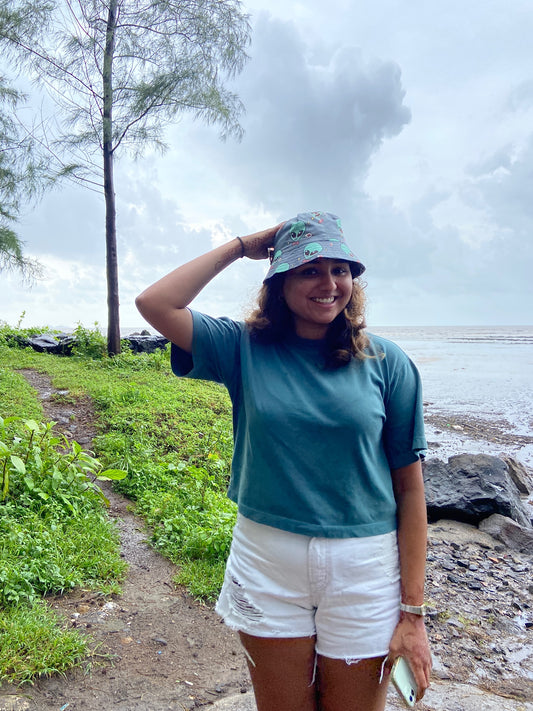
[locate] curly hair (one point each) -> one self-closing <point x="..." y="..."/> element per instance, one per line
<point x="271" y="321"/>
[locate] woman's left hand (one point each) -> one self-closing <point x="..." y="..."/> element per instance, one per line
<point x="410" y="641"/>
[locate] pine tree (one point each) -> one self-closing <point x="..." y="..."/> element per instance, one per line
<point x="120" y="72"/>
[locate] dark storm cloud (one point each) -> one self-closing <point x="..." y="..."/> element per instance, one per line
<point x="312" y="124"/>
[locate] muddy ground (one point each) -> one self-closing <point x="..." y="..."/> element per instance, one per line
<point x="155" y="648"/>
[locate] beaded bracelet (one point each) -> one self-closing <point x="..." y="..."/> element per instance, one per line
<point x="242" y="246"/>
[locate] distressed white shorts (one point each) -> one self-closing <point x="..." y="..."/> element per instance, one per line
<point x="344" y="591"/>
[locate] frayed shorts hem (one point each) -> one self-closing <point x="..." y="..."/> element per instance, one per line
<point x="343" y="592"/>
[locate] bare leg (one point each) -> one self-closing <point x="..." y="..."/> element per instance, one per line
<point x="282" y="672"/>
<point x="350" y="687"/>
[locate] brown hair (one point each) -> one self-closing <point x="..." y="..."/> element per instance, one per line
<point x="271" y="321"/>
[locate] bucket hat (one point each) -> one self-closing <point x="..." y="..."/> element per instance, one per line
<point x="309" y="236"/>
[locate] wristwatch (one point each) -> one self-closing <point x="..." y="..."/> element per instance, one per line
<point x="414" y="609"/>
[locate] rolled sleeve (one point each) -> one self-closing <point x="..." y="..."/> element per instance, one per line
<point x="403" y="432"/>
<point x="215" y="350"/>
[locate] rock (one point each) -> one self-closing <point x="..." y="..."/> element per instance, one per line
<point x="507" y="531"/>
<point x="470" y="488"/>
<point x="62" y="343"/>
<point x="519" y="474"/>
<point x="145" y="342"/>
<point x="59" y="344"/>
<point x="159" y="640"/>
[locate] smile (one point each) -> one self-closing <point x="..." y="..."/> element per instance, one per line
<point x="325" y="300"/>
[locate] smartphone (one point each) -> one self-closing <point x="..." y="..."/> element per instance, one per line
<point x="404" y="681"/>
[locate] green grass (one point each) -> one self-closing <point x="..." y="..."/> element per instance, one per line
<point x="16" y="395"/>
<point x="35" y="644"/>
<point x="174" y="439"/>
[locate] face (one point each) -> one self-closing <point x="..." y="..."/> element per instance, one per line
<point x="316" y="293"/>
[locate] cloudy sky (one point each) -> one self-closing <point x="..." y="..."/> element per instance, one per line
<point x="413" y="121"/>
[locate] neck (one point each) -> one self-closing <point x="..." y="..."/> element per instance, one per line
<point x="312" y="332"/>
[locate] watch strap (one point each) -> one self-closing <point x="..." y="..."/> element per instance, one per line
<point x="414" y="609"/>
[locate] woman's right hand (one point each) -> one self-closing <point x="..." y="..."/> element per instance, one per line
<point x="164" y="304"/>
<point x="256" y="245"/>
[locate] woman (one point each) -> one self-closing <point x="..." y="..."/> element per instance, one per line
<point x="325" y="578"/>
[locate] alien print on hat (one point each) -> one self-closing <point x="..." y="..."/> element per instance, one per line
<point x="308" y="236"/>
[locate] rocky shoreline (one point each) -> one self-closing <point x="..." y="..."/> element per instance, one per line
<point x="481" y="617"/>
<point x="479" y="588"/>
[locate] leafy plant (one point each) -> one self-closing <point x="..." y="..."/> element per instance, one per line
<point x="48" y="499"/>
<point x="37" y="466"/>
<point x="54" y="530"/>
<point x="88" y="342"/>
<point x="172" y="436"/>
<point x="16" y="336"/>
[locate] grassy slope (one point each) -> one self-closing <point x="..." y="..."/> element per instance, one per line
<point x="174" y="439"/>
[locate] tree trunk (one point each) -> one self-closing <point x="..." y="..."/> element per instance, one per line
<point x="113" y="319"/>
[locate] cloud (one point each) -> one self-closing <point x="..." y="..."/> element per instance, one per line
<point x="69" y="222"/>
<point x="71" y="292"/>
<point x="457" y="256"/>
<point x="504" y="195"/>
<point x="312" y="122"/>
<point x="504" y="185"/>
<point x="521" y="97"/>
<point x="438" y="205"/>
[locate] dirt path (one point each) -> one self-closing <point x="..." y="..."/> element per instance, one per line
<point x="155" y="647"/>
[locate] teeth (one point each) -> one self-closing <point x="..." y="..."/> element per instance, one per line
<point x="328" y="300"/>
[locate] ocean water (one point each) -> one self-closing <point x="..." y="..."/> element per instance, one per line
<point x="484" y="373"/>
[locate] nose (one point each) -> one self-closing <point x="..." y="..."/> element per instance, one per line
<point x="327" y="280"/>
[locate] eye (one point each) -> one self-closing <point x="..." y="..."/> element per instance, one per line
<point x="341" y="269"/>
<point x="308" y="271"/>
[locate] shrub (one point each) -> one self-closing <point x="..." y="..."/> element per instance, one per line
<point x="89" y="343"/>
<point x="48" y="502"/>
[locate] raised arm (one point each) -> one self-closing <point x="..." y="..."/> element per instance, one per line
<point x="164" y="304"/>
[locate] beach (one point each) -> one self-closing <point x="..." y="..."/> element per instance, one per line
<point x="478" y="387"/>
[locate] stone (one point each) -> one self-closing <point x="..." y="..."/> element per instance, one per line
<point x="145" y="342"/>
<point x="159" y="640"/>
<point x="507" y="531"/>
<point x="519" y="474"/>
<point x="58" y="344"/>
<point x="470" y="488"/>
<point x="62" y="343"/>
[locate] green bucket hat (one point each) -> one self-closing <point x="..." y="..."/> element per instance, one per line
<point x="309" y="236"/>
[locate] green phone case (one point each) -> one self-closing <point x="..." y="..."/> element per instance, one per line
<point x="404" y="681"/>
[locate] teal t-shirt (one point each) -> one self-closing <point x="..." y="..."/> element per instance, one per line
<point x="313" y="446"/>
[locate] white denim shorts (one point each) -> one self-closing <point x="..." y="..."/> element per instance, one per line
<point x="344" y="591"/>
